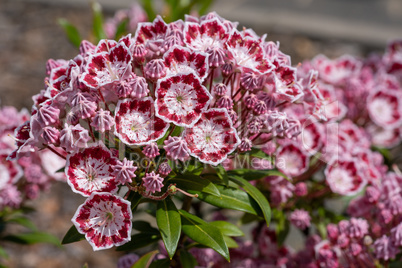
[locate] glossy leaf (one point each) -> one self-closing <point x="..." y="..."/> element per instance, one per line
<point x="145" y="261"/>
<point x="72" y="236"/>
<point x="169" y="224"/>
<point x="232" y="198"/>
<point x="222" y="174"/>
<point x="227" y="228"/>
<point x="230" y="242"/>
<point x="163" y="263"/>
<point x="138" y="241"/>
<point x="33" y="238"/>
<point x="135" y="199"/>
<point x="255" y="194"/>
<point x="204" y="233"/>
<point x="195" y="185"/>
<point x="187" y="259"/>
<point x="73" y="36"/>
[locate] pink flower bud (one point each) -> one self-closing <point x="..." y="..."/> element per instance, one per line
<point x="155" y="69"/>
<point x="151" y="150"/>
<point x="152" y="182"/>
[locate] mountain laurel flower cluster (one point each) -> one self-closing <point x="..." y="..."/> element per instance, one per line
<point x="125" y="113"/>
<point x="25" y="178"/>
<point x="199" y="108"/>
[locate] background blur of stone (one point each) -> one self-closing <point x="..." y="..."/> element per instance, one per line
<point x="29" y="35"/>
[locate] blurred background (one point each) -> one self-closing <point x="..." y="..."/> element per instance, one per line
<point x="30" y="35"/>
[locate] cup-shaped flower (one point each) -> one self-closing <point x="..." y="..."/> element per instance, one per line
<point x="105" y="220"/>
<point x="213" y="137"/>
<point x="183" y="60"/>
<point x="344" y="177"/>
<point x="292" y="160"/>
<point x="91" y="170"/>
<point x="107" y="67"/>
<point x="136" y="123"/>
<point x="181" y="99"/>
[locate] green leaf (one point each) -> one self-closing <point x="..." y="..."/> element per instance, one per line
<point x="227" y="228"/>
<point x="163" y="263"/>
<point x="282" y="226"/>
<point x="72" y="236"/>
<point x="145" y="261"/>
<point x="204" y="233"/>
<point x="232" y="198"/>
<point x="33" y="238"/>
<point x="222" y="174"/>
<point x="135" y="199"/>
<point x="169" y="223"/>
<point x="24" y="222"/>
<point x="149" y="9"/>
<point x="187" y="259"/>
<point x="195" y="185"/>
<point x="251" y="174"/>
<point x="255" y="194"/>
<point x="204" y="6"/>
<point x="121" y="29"/>
<point x="61" y="170"/>
<point x="230" y="242"/>
<point x="138" y="241"/>
<point x="73" y="36"/>
<point x="97" y="21"/>
<point x="144" y="227"/>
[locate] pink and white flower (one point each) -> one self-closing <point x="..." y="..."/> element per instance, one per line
<point x="106" y="68"/>
<point x="385" y="108"/>
<point x="246" y="52"/>
<point x="136" y="123"/>
<point x="91" y="170"/>
<point x="105" y="220"/>
<point x="292" y="160"/>
<point x="344" y="177"/>
<point x="212" y="138"/>
<point x="181" y="99"/>
<point x="183" y="60"/>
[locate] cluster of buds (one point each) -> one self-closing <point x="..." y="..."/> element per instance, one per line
<point x="23" y="179"/>
<point x="123" y="112"/>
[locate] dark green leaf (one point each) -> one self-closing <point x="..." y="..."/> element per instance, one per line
<point x="222" y="174"/>
<point x="97" y="22"/>
<point x="187" y="260"/>
<point x="255" y="194"/>
<point x="204" y="233"/>
<point x="32" y="238"/>
<point x="232" y="198"/>
<point x="252" y="174"/>
<point x="230" y="242"/>
<point x="138" y="241"/>
<point x="61" y="170"/>
<point x="144" y="227"/>
<point x="73" y="36"/>
<point x="72" y="236"/>
<point x="169" y="223"/>
<point x="163" y="263"/>
<point x="195" y="185"/>
<point x="249" y="218"/>
<point x="227" y="228"/>
<point x="121" y="29"/>
<point x="145" y="261"/>
<point x="135" y="199"/>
